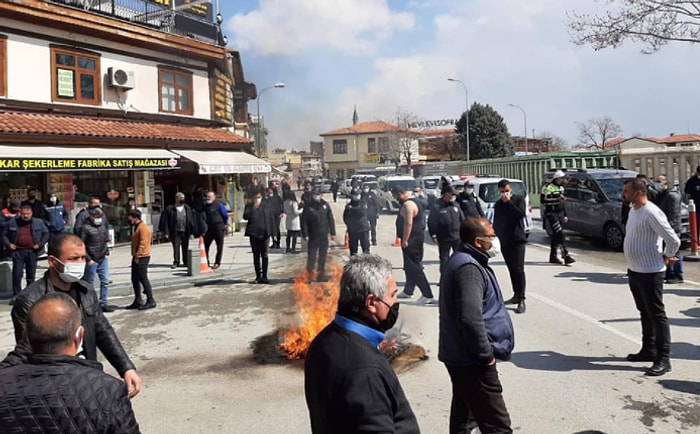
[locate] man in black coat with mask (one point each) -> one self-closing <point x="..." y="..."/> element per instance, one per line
<point x="260" y="227"/>
<point x="350" y="386"/>
<point x="317" y="224"/>
<point x="355" y="218"/>
<point x="177" y="224"/>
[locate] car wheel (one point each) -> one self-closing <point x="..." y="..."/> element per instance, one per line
<point x="613" y="235"/>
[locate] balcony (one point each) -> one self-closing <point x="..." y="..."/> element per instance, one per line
<point x="174" y="17"/>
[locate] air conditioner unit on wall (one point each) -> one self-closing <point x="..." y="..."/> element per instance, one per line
<point x="121" y="78"/>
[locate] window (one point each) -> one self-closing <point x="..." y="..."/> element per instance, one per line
<point x="340" y="146"/>
<point x="75" y="77"/>
<point x="3" y="66"/>
<point x="175" y="91"/>
<point x="384" y="145"/>
<point x="371" y="145"/>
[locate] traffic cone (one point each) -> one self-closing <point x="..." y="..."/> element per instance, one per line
<point x="347" y="241"/>
<point x="203" y="262"/>
<point x="397" y="243"/>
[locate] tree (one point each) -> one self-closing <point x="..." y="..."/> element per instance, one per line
<point x="595" y="132"/>
<point x="403" y="141"/>
<point x="557" y="143"/>
<point x="652" y="22"/>
<point x="488" y="133"/>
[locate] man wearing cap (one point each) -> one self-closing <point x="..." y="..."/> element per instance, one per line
<point x="96" y="237"/>
<point x="554" y="214"/>
<point x="317" y="224"/>
<point x="178" y="224"/>
<point x="355" y="218"/>
<point x="410" y="226"/>
<point x="443" y="223"/>
<point x="471" y="207"/>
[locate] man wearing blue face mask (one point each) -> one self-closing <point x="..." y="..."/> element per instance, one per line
<point x="66" y="262"/>
<point x="508" y="215"/>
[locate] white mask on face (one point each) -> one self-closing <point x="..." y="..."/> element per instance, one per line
<point x="258" y="200"/>
<point x="469" y="190"/>
<point x="72" y="271"/>
<point x="98" y="222"/>
<point x="495" y="248"/>
<point x="53" y="200"/>
<point x="453" y="198"/>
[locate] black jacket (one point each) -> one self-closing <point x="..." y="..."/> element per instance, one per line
<point x="351" y="388"/>
<point x="80" y="219"/>
<point x="372" y="201"/>
<point x="444" y="221"/>
<point x="95" y="239"/>
<point x="317" y="220"/>
<point x="471" y="207"/>
<point x="261" y="221"/>
<point x="275" y="205"/>
<point x="355" y="217"/>
<point x="508" y="220"/>
<point x="63" y="394"/>
<point x="670" y="203"/>
<point x="475" y="326"/>
<point x="98" y="331"/>
<point x="38" y="209"/>
<point x="168" y="221"/>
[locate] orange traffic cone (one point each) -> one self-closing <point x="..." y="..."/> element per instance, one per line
<point x="397" y="243"/>
<point x="203" y="262"/>
<point x="347" y="241"/>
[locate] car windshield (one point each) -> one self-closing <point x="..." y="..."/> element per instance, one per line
<point x="407" y="184"/>
<point x="372" y="185"/>
<point x="431" y="183"/>
<point x="612" y="187"/>
<point x="489" y="192"/>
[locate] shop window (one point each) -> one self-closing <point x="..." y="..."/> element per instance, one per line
<point x="75" y="77"/>
<point x="175" y="91"/>
<point x="3" y="66"/>
<point x="340" y="146"/>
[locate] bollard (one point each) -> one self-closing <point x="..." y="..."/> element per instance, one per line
<point x="693" y="224"/>
<point x="193" y="261"/>
<point x="5" y="279"/>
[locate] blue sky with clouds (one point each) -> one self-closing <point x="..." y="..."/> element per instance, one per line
<point x="382" y="55"/>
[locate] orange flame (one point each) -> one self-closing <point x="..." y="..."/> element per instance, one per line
<point x="316" y="305"/>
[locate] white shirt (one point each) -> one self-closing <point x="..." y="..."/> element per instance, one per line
<point x="647" y="227"/>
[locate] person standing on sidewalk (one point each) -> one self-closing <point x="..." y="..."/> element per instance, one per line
<point x="646" y="227"/>
<point x="355" y="218"/>
<point x="178" y="224"/>
<point x="470" y="204"/>
<point x="410" y="228"/>
<point x="317" y="224"/>
<point x="276" y="206"/>
<point x="508" y="221"/>
<point x="669" y="201"/>
<point x="373" y="208"/>
<point x="443" y="224"/>
<point x="93" y="202"/>
<point x="292" y="211"/>
<point x="96" y="237"/>
<point x="218" y="222"/>
<point x="38" y="208"/>
<point x="24" y="236"/>
<point x="334" y="189"/>
<point x="475" y="331"/>
<point x="56" y="215"/>
<point x="260" y="226"/>
<point x="141" y="256"/>
<point x="554" y="214"/>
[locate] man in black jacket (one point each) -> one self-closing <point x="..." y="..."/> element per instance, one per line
<point x="178" y="224"/>
<point x="55" y="391"/>
<point x="24" y="236"/>
<point x="38" y="208"/>
<point x="475" y="331"/>
<point x="355" y="218"/>
<point x="218" y="222"/>
<point x="349" y="385"/>
<point x="96" y="237"/>
<point x="471" y="207"/>
<point x="443" y="224"/>
<point x="669" y="200"/>
<point x="317" y="224"/>
<point x="66" y="267"/>
<point x="373" y="208"/>
<point x="259" y="228"/>
<point x="508" y="214"/>
<point x="276" y="206"/>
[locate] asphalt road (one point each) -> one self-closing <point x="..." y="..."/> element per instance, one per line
<point x="567" y="374"/>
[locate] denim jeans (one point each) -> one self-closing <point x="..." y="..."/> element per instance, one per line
<point x="101" y="269"/>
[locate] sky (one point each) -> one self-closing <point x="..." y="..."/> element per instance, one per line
<point x="382" y="56"/>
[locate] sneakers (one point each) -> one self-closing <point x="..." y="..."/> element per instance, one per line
<point x="404" y="296"/>
<point x="427" y="301"/>
<point x="568" y="260"/>
<point x="555" y="260"/>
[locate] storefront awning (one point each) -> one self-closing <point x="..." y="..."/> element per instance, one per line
<point x="220" y="162"/>
<point x="56" y="158"/>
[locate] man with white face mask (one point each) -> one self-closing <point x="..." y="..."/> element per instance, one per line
<point x="66" y="262"/>
<point x="475" y="331"/>
<point x="443" y="223"/>
<point x="96" y="237"/>
<point x="471" y="207"/>
<point x="508" y="215"/>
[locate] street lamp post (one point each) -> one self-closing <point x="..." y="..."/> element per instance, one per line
<point x="258" y="129"/>
<point x="466" y="113"/>
<point x="525" y="121"/>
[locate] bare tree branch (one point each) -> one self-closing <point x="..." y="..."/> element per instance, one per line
<point x="596" y="132"/>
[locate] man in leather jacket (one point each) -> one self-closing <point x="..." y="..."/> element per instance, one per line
<point x="66" y="267"/>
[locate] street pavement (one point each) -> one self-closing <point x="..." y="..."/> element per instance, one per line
<point x="567" y="374"/>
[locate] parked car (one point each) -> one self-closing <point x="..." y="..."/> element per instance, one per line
<point x="486" y="189"/>
<point x="326" y="185"/>
<point x="371" y="184"/>
<point x="345" y="187"/>
<point x="431" y="187"/>
<point x="386" y="183"/>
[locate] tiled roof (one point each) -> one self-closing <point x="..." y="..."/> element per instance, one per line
<point x="680" y="138"/>
<point x="96" y="128"/>
<point x="363" y="128"/>
<point x="613" y="142"/>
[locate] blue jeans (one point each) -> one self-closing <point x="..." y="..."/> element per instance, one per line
<point x="675" y="271"/>
<point x="100" y="269"/>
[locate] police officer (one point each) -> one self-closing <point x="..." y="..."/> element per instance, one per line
<point x="317" y="224"/>
<point x="444" y="222"/>
<point x="471" y="207"/>
<point x="552" y="200"/>
<point x="355" y="218"/>
<point x="373" y="208"/>
<point x="306" y="195"/>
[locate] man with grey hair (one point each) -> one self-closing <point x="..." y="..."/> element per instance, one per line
<point x="54" y="390"/>
<point x="349" y="384"/>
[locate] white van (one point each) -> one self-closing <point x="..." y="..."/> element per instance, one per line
<point x="386" y="183"/>
<point x="486" y="189"/>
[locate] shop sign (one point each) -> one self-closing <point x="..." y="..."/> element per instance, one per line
<point x="55" y="164"/>
<point x="371" y="158"/>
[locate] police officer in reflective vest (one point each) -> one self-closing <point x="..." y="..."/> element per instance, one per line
<point x="552" y="200"/>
